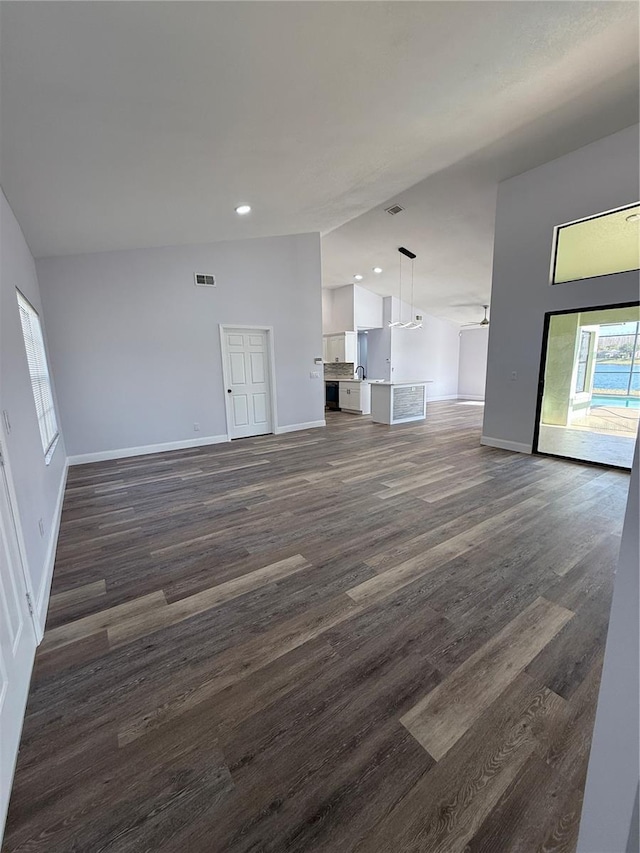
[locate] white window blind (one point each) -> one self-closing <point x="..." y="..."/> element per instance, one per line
<point x="39" y="373"/>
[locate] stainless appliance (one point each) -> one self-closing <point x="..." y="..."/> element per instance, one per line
<point x="331" y="394"/>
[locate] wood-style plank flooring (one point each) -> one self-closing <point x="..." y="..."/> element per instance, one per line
<point x="359" y="638"/>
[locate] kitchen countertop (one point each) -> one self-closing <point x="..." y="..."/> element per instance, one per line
<point x="406" y="382"/>
<point x="379" y="381"/>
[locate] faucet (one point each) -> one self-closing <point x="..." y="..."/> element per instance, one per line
<point x="360" y="367"/>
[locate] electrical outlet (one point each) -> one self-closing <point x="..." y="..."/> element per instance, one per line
<point x="314" y="374"/>
<point x="41" y="527"/>
<point x="196" y="427"/>
<point x="514" y="375"/>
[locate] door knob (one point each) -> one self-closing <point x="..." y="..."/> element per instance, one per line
<point x="229" y="391"/>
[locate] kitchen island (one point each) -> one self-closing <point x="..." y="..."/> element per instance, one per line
<point x="399" y="402"/>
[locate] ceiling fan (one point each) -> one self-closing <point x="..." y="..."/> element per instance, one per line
<point x="481" y="323"/>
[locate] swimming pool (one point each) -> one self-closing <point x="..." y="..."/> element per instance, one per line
<point x="619" y="400"/>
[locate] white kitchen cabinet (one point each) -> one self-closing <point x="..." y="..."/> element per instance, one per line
<point x="351" y="347"/>
<point x="344" y="400"/>
<point x="355" y="397"/>
<point x="335" y="348"/>
<point x="342" y="348"/>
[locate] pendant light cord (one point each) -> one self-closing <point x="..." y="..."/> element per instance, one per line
<point x="412" y="306"/>
<point x="411" y="323"/>
<point x="400" y="299"/>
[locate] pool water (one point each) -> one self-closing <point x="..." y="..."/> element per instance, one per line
<point x="620" y="401"/>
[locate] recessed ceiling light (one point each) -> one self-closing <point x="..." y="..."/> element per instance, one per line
<point x="243" y="209"/>
<point x="377" y="270"/>
<point x="358" y="277"/>
<point x="633" y="217"/>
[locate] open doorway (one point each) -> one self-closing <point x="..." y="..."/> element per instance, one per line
<point x="589" y="402"/>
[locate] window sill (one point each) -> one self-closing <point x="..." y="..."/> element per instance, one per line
<point x="49" y="454"/>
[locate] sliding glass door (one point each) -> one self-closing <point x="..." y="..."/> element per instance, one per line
<point x="589" y="406"/>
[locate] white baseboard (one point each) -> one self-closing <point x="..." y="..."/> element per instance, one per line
<point x="295" y="427"/>
<point x="146" y="449"/>
<point x="475" y="397"/>
<point x="503" y="444"/>
<point x="42" y="602"/>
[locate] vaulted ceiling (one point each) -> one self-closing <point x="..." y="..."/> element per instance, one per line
<point x="144" y="124"/>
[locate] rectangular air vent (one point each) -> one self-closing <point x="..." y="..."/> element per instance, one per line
<point x="203" y="280"/>
<point x="395" y="208"/>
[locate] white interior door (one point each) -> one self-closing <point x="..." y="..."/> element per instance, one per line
<point x="17" y="645"/>
<point x="248" y="387"/>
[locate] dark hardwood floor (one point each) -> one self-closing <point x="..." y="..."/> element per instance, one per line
<point x="360" y="638"/>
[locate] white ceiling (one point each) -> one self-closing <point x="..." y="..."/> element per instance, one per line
<point x="143" y="124"/>
<point x="448" y="218"/>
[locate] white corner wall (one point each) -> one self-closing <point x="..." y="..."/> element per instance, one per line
<point x="431" y="352"/>
<point x="135" y="345"/>
<point x="379" y="346"/>
<point x="599" y="177"/>
<point x="38" y="487"/>
<point x="327" y="310"/>
<point x="472" y="369"/>
<point x="612" y="779"/>
<point x="349" y="308"/>
<point x="338" y="309"/>
<point x="367" y="311"/>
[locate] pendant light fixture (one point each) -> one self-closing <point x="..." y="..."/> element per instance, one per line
<point x="397" y="322"/>
<point x="411" y="324"/>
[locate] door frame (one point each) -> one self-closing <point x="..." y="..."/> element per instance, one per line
<point x="543" y="364"/>
<point x="30" y="631"/>
<point x="271" y="369"/>
<point x="14" y="521"/>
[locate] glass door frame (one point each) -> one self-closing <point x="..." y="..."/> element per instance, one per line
<point x="543" y="364"/>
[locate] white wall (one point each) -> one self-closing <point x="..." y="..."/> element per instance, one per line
<point x="338" y="310"/>
<point x="427" y="353"/>
<point x="135" y="345"/>
<point x="38" y="487"/>
<point x="367" y="308"/>
<point x="612" y="778"/>
<point x="599" y="177"/>
<point x="379" y="346"/>
<point x="327" y="310"/>
<point x="349" y="308"/>
<point x="472" y="369"/>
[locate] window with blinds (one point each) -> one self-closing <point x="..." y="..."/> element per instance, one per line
<point x="39" y="373"/>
